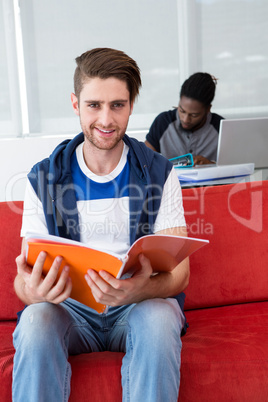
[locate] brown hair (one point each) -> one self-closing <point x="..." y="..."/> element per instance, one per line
<point x="105" y="63"/>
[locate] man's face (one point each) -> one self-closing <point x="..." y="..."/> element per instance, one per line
<point x="104" y="108"/>
<point x="192" y="113"/>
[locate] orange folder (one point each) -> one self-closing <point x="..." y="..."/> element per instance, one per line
<point x="164" y="251"/>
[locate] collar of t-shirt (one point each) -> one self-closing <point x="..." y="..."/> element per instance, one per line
<point x="101" y="179"/>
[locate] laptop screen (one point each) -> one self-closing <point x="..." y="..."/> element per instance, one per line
<point x="243" y="141"/>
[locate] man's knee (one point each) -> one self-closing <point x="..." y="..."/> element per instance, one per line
<point x="37" y="322"/>
<point x="157" y="315"/>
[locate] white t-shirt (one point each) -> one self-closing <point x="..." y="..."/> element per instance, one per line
<point x="103" y="205"/>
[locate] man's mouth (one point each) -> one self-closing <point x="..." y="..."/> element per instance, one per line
<point x="105" y="132"/>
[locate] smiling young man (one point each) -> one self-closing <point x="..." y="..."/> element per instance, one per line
<point x="104" y="189"/>
<point x="190" y="128"/>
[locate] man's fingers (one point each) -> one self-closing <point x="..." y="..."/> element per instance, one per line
<point x="146" y="267"/>
<point x="102" y="291"/>
<point x="22" y="267"/>
<point x="62" y="288"/>
<point x="64" y="295"/>
<point x="37" y="269"/>
<point x="52" y="275"/>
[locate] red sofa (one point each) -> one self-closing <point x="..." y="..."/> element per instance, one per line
<point x="225" y="351"/>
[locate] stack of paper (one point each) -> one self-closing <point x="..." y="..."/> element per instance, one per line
<point x="214" y="172"/>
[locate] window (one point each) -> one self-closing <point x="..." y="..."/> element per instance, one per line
<point x="232" y="44"/>
<point x="54" y="33"/>
<point x="8" y="77"/>
<point x="169" y="39"/>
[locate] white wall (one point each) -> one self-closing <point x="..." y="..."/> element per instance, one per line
<point x="18" y="155"/>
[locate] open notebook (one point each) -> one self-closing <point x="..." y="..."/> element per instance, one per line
<point x="164" y="252"/>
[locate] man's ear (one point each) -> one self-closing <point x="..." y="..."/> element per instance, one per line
<point x="75" y="104"/>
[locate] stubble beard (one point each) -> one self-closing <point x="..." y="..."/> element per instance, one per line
<point x="103" y="143"/>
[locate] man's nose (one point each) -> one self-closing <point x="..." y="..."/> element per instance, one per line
<point x="187" y="119"/>
<point x="105" y="117"/>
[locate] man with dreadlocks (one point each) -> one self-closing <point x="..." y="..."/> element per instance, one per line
<point x="190" y="127"/>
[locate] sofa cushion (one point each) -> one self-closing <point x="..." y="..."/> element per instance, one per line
<point x="6" y="359"/>
<point x="233" y="267"/>
<point x="100" y="372"/>
<point x="225" y="353"/>
<point x="10" y="245"/>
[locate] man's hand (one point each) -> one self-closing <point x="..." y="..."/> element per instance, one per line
<point x="142" y="285"/>
<point x="201" y="160"/>
<point x="31" y="287"/>
<point x="115" y="292"/>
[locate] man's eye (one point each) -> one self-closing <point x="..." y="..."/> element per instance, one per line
<point x="93" y="105"/>
<point x="118" y="105"/>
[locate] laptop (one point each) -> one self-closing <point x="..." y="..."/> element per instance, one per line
<point x="243" y="141"/>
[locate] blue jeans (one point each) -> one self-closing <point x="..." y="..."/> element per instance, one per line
<point x="148" y="332"/>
